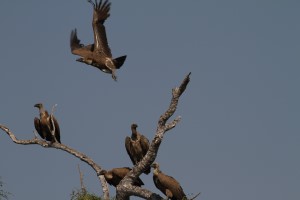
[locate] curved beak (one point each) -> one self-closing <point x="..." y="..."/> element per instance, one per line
<point x="79" y="59"/>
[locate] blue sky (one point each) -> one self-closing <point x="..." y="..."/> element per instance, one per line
<point x="239" y="134"/>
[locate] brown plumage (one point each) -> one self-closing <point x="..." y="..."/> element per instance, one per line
<point x="44" y="126"/>
<point x="137" y="146"/>
<point x="115" y="175"/>
<point x="167" y="184"/>
<point x="97" y="54"/>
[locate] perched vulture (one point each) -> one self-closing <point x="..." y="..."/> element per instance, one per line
<point x="167" y="184"/>
<point x="97" y="54"/>
<point x="44" y="126"/>
<point x="137" y="146"/>
<point x="114" y="176"/>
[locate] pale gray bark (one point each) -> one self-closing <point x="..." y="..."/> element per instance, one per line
<point x="65" y="148"/>
<point x="125" y="188"/>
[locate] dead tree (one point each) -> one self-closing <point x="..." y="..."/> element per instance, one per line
<point x="125" y="188"/>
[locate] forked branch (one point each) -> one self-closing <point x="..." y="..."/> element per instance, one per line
<point x="125" y="188"/>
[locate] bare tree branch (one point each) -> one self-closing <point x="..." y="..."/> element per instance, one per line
<point x="131" y="190"/>
<point x="65" y="148"/>
<point x="53" y="109"/>
<point x="83" y="189"/>
<point x="125" y="188"/>
<point x="195" y="196"/>
<point x="176" y="93"/>
<point x="172" y="124"/>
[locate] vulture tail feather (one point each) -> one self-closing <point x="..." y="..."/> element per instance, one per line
<point x="119" y="61"/>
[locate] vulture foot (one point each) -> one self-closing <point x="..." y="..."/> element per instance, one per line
<point x="114" y="76"/>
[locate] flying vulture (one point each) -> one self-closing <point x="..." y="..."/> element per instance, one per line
<point x="97" y="54"/>
<point x="167" y="184"/>
<point x="115" y="175"/>
<point x="137" y="146"/>
<point x="44" y="127"/>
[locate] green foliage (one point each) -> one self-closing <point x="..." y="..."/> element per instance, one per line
<point x="3" y="193"/>
<point x="83" y="195"/>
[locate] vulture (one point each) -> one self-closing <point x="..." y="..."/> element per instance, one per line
<point x="97" y="54"/>
<point x="137" y="146"/>
<point x="167" y="184"/>
<point x="44" y="127"/>
<point x="115" y="175"/>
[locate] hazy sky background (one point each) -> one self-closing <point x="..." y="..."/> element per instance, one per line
<point x="239" y="135"/>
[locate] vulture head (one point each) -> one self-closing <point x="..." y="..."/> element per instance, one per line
<point x="134" y="126"/>
<point x="102" y="172"/>
<point x="134" y="131"/>
<point x="155" y="166"/>
<point x="38" y="105"/>
<point x="86" y="61"/>
<point x="106" y="174"/>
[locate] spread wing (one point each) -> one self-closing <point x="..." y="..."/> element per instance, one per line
<point x="101" y="13"/>
<point x="129" y="149"/>
<point x="77" y="48"/>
